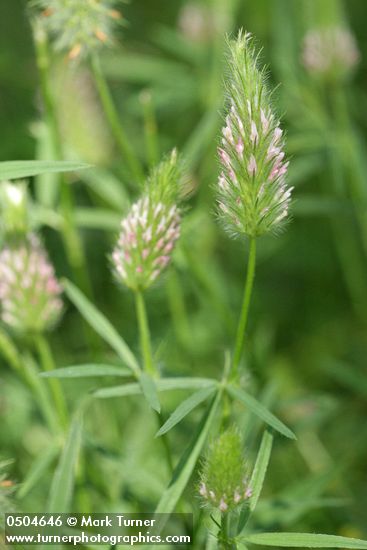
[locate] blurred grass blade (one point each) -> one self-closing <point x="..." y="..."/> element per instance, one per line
<point x="150" y="391"/>
<point x="201" y="137"/>
<point x="101" y="325"/>
<point x="184" y="409"/>
<point x="165" y="384"/>
<point x="14" y="169"/>
<point x="257" y="408"/>
<point x="84" y="371"/>
<point x="109" y="188"/>
<point x="257" y="479"/>
<point x="37" y="470"/>
<point x="185" y="467"/>
<point x="97" y="218"/>
<point x="62" y="487"/>
<point x="304" y="540"/>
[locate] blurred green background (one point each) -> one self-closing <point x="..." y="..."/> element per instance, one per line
<point x="307" y="344"/>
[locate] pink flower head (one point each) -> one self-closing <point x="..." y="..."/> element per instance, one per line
<point x="29" y="291"/>
<point x="252" y="157"/>
<point x="147" y="239"/>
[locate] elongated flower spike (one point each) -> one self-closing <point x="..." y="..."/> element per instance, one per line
<point x="330" y="52"/>
<point x="224" y="482"/>
<point x="79" y="27"/>
<point x="253" y="197"/>
<point x="30" y="295"/>
<point x="150" y="230"/>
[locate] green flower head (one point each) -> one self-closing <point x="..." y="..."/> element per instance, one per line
<point x="79" y="27"/>
<point x="224" y="481"/>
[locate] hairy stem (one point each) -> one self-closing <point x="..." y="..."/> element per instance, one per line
<point x="240" y="338"/>
<point x="225" y="541"/>
<point x="145" y="343"/>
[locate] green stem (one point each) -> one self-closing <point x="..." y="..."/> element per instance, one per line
<point x="226" y="542"/>
<point x="145" y="344"/>
<point x="24" y="366"/>
<point x="48" y="364"/>
<point x="240" y="338"/>
<point x="40" y="390"/>
<point x="113" y="119"/>
<point x="70" y="236"/>
<point x="348" y="146"/>
<point x="150" y="128"/>
<point x="176" y="301"/>
<point x="146" y="350"/>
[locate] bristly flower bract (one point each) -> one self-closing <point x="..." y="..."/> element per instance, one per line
<point x="79" y="27"/>
<point x="253" y="197"/>
<point x="224" y="482"/>
<point x="151" y="228"/>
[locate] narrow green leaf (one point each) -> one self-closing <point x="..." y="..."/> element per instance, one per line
<point x="62" y="486"/>
<point x="83" y="371"/>
<point x="165" y="384"/>
<point x="37" y="470"/>
<point x="15" y="169"/>
<point x="150" y="391"/>
<point x="118" y="391"/>
<point x="304" y="540"/>
<point x="183" y="471"/>
<point x="257" y="478"/>
<point x="262" y="412"/>
<point x="101" y="325"/>
<point x="185" y="408"/>
<point x="183" y="383"/>
<point x="261" y="465"/>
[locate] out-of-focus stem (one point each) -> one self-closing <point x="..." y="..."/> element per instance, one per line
<point x="348" y="150"/>
<point x="28" y="372"/>
<point x="150" y="128"/>
<point x="117" y="130"/>
<point x="177" y="307"/>
<point x="240" y="339"/>
<point x="72" y="242"/>
<point x="48" y="364"/>
<point x="347" y="248"/>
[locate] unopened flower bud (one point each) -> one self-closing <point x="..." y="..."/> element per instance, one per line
<point x="253" y="197"/>
<point x="29" y="291"/>
<point x="224" y="483"/>
<point x="13" y="203"/>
